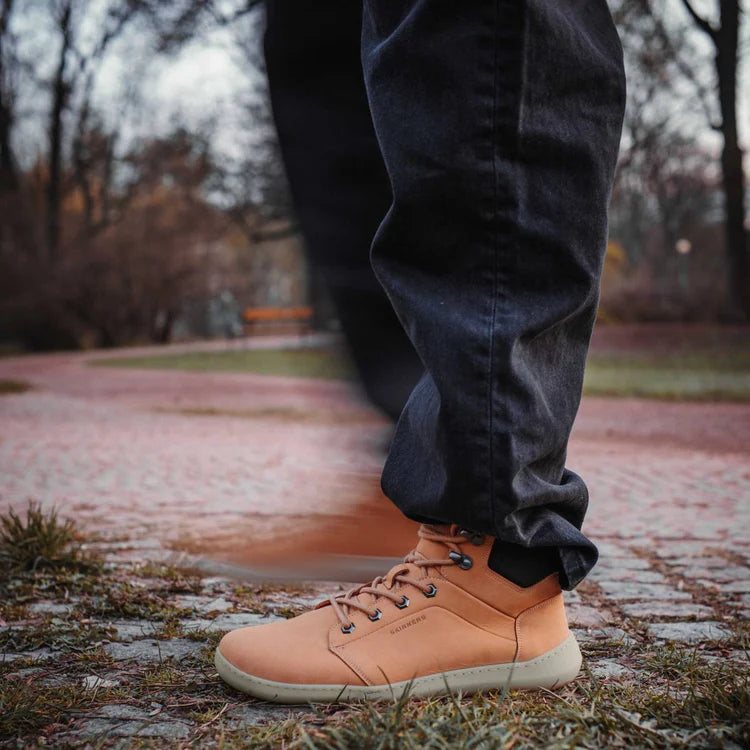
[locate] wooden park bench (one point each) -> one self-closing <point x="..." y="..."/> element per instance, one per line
<point x="277" y="319"/>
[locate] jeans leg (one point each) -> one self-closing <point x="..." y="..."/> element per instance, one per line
<point x="337" y="178"/>
<point x="499" y="123"/>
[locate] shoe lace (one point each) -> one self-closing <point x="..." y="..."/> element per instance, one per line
<point x="382" y="586"/>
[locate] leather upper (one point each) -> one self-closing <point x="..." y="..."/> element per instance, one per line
<point x="476" y="617"/>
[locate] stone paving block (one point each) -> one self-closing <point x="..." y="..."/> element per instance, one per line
<point x="608" y="548"/>
<point x="609" y="668"/>
<point x="594" y="635"/>
<point x="127" y="544"/>
<point x="586" y="617"/>
<point x="26" y="672"/>
<point x="129" y="630"/>
<point x="703" y="562"/>
<point x="689" y="632"/>
<point x="101" y="728"/>
<point x="665" y="609"/>
<point x="615" y="634"/>
<point x="50" y="608"/>
<point x="687" y="548"/>
<point x="122" y="711"/>
<point x="203" y="604"/>
<point x="306" y="602"/>
<point x="95" y="682"/>
<point x="196" y="623"/>
<point x="211" y="583"/>
<point x="240" y="620"/>
<point x="741" y="657"/>
<point x="727" y="574"/>
<point x="623" y="563"/>
<point x="252" y="715"/>
<point x="222" y="623"/>
<point x="150" y="650"/>
<point x="713" y="585"/>
<point x="737" y="587"/>
<point x="39" y="654"/>
<point x="624" y="590"/>
<point x="638" y="576"/>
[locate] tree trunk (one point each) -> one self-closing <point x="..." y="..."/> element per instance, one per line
<point x="8" y="177"/>
<point x="736" y="236"/>
<point x="726" y="41"/>
<point x="59" y="101"/>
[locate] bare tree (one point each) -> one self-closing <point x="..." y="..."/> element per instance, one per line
<point x="725" y="39"/>
<point x="253" y="187"/>
<point x="131" y="277"/>
<point x="7" y="99"/>
<point x="98" y="241"/>
<point x="73" y="80"/>
<point x="721" y="98"/>
<point x="60" y="86"/>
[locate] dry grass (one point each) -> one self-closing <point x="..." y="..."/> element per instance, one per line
<point x="9" y="387"/>
<point x="673" y="697"/>
<point x="39" y="540"/>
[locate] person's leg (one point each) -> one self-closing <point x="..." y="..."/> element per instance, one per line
<point x="499" y="123"/>
<point x="337" y="179"/>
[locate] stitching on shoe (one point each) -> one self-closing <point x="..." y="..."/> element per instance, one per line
<point x="529" y="610"/>
<point x="349" y="662"/>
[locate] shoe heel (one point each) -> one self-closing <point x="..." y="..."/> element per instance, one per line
<point x="552" y="669"/>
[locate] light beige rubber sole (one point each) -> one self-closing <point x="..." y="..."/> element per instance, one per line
<point x="550" y="670"/>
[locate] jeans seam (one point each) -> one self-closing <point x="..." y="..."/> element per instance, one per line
<point x="496" y="250"/>
<point x="519" y="104"/>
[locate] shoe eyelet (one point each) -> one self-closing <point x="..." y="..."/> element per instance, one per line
<point x="347" y="628"/>
<point x="474" y="537"/>
<point x="463" y="561"/>
<point x="404" y="603"/>
<point x="376" y="615"/>
<point x="431" y="591"/>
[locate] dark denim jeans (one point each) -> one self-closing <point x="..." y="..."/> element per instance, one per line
<point x="499" y="123"/>
<point x="337" y="179"/>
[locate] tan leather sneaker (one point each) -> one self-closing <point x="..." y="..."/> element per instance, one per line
<point x="440" y="622"/>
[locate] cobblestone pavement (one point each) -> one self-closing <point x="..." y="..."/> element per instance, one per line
<point x="145" y="459"/>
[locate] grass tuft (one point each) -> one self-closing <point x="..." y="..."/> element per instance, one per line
<point x="28" y="708"/>
<point x="40" y="540"/>
<point x="8" y="387"/>
<point x="438" y="723"/>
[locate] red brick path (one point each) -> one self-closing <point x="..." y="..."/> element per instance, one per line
<point x="175" y="456"/>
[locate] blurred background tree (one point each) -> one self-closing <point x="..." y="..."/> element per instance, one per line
<point x="679" y="206"/>
<point x="136" y="188"/>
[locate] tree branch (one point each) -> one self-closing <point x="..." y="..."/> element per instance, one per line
<point x="701" y="22"/>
